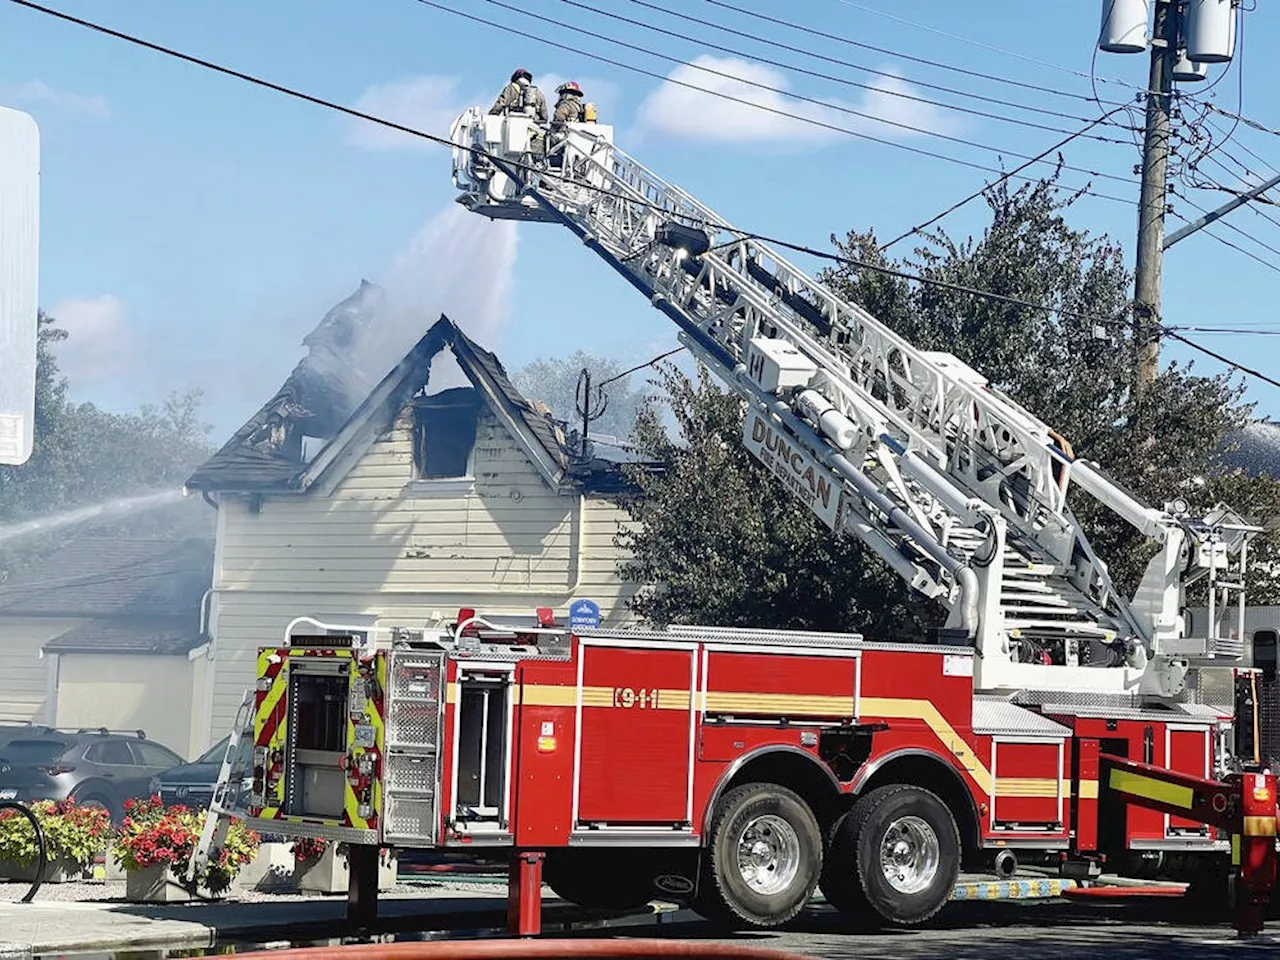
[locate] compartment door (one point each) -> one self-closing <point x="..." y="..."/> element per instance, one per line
<point x="1028" y="778"/>
<point x="1187" y="750"/>
<point x="635" y="734"/>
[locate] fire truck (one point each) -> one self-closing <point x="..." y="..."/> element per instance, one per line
<point x="738" y="771"/>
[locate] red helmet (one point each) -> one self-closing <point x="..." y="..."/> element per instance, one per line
<point x="522" y="72"/>
<point x="569" y="87"/>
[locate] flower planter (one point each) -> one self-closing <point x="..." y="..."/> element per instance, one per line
<point x="271" y="868"/>
<point x="56" y="871"/>
<point x="156" y="884"/>
<point x="330" y="873"/>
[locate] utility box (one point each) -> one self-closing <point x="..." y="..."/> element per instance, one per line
<point x="776" y="365"/>
<point x="19" y="305"/>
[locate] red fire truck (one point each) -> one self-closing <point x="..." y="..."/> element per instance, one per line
<point x="740" y="770"/>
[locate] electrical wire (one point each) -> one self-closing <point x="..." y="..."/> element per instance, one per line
<point x="973" y="196"/>
<point x="833" y="60"/>
<point x="776" y="21"/>
<point x="1234" y="246"/>
<point x="812" y="121"/>
<point x="1234" y="229"/>
<point x="801" y="248"/>
<point x="978" y="43"/>
<point x="1246" y="331"/>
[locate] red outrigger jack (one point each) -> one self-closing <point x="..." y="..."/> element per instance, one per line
<point x="1244" y="805"/>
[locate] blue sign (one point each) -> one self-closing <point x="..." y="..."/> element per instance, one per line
<point x="584" y="615"/>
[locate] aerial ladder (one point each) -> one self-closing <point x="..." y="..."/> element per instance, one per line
<point x="949" y="481"/>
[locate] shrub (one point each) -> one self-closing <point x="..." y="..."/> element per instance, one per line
<point x="73" y="834"/>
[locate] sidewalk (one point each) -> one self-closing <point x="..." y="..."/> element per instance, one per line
<point x="46" y="927"/>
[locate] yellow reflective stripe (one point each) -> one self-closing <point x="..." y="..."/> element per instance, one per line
<point x="1235" y="849"/>
<point x="1088" y="790"/>
<point x="1259" y="826"/>
<point x="895" y="709"/>
<point x="1137" y="785"/>
<point x="789" y="704"/>
<point x="1026" y="787"/>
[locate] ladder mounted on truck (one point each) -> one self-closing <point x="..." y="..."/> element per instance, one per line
<point x="954" y="485"/>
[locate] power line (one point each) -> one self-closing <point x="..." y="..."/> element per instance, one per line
<point x="813" y="121"/>
<point x="978" y="43"/>
<point x="1227" y="243"/>
<point x="834" y="60"/>
<point x="1245" y="331"/>
<point x="1232" y="227"/>
<point x="822" y="254"/>
<point x="973" y="196"/>
<point x="776" y="21"/>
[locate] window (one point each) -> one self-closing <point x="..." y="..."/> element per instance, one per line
<point x="112" y="753"/>
<point x="20" y="752"/>
<point x="444" y="432"/>
<point x="1265" y="653"/>
<point x="215" y="753"/>
<point x="153" y="755"/>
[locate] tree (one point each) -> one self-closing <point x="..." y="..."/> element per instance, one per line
<point x="720" y="541"/>
<point x="555" y="382"/>
<point x="84" y="455"/>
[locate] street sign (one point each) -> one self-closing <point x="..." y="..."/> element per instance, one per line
<point x="19" y="247"/>
<point x="584" y="615"/>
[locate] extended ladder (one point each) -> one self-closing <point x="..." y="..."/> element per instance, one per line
<point x="958" y="488"/>
<point x="226" y="795"/>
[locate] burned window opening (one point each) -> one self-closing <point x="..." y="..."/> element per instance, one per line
<point x="444" y="433"/>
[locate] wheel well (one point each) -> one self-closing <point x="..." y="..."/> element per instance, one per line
<point x="938" y="778"/>
<point x="791" y="769"/>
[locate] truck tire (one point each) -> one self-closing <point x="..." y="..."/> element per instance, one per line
<point x="839" y="882"/>
<point x="598" y="880"/>
<point x="906" y="850"/>
<point x="764" y="857"/>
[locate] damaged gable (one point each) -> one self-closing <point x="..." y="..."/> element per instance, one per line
<point x="275" y="451"/>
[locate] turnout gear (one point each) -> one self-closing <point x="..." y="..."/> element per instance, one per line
<point x="569" y="108"/>
<point x="521" y="96"/>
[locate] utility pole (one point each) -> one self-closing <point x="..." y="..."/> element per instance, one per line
<point x="1151" y="207"/>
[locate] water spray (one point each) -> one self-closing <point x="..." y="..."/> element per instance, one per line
<point x="107" y="510"/>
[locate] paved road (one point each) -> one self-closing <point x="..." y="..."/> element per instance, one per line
<point x="1046" y="930"/>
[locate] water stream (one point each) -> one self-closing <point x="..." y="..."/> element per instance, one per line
<point x="107" y="510"/>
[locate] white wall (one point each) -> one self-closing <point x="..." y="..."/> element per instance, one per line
<point x="385" y="546"/>
<point x="24" y="680"/>
<point x="149" y="692"/>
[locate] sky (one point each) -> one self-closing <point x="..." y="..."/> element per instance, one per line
<point x="194" y="228"/>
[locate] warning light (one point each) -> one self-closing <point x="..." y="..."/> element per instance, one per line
<point x="546" y="744"/>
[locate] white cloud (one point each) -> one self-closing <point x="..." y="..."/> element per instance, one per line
<point x="37" y="93"/>
<point x="426" y="103"/>
<point x="100" y="342"/>
<point x="680" y="112"/>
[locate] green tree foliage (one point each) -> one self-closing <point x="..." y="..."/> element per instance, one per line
<point x="739" y="551"/>
<point x="84" y="455"/>
<point x="555" y="383"/>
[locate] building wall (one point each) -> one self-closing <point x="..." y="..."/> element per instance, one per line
<point x="388" y="548"/>
<point x="24" y="681"/>
<point x="130" y="692"/>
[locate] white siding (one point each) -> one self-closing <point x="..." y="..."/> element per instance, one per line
<point x="24" y="681"/>
<point x="385" y="546"/>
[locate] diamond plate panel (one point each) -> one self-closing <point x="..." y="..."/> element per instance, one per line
<point x="410" y="773"/>
<point x="413" y="723"/>
<point x="417" y="677"/>
<point x="409" y="820"/>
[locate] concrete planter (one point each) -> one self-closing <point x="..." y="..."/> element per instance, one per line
<point x="56" y="871"/>
<point x="330" y="874"/>
<point x="271" y="869"/>
<point x="161" y="884"/>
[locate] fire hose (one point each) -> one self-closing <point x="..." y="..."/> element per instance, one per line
<point x="586" y="949"/>
<point x="42" y="853"/>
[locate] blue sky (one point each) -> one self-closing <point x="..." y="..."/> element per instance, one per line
<point x="194" y="228"/>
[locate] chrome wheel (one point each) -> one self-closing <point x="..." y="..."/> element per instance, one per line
<point x="768" y="855"/>
<point x="909" y="854"/>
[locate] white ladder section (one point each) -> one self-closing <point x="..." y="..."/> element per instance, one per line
<point x="226" y="794"/>
<point x="957" y="487"/>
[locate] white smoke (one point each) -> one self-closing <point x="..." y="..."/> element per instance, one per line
<point x="459" y="264"/>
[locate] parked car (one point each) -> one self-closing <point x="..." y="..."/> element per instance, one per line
<point x="191" y="784"/>
<point x="92" y="767"/>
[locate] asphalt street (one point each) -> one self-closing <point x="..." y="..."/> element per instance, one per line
<point x="1046" y="930"/>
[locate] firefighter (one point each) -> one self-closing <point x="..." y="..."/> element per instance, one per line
<point x="569" y="108"/>
<point x="521" y="96"/>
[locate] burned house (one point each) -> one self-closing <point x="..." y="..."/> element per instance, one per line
<point x="366" y="501"/>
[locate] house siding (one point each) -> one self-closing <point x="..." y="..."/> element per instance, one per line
<point x="24" y="682"/>
<point x="384" y="546"/>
